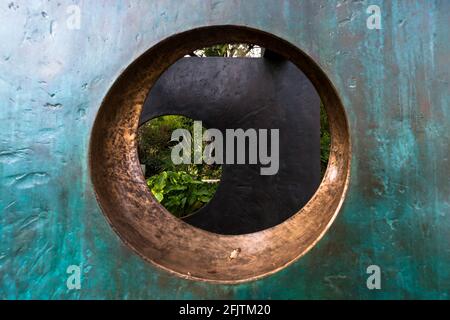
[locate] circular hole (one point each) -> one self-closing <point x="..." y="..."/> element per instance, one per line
<point x="220" y="86"/>
<point x="146" y="227"/>
<point x="182" y="188"/>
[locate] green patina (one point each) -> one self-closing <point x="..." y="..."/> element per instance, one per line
<point x="394" y="83"/>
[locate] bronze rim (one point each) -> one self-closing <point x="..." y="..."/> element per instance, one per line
<point x="160" y="238"/>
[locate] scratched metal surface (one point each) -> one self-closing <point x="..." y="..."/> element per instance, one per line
<point x="394" y="84"/>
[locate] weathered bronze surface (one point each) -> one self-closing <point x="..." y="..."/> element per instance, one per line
<point x="393" y="82"/>
<point x="157" y="236"/>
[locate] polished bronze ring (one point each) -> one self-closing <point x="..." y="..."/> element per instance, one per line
<point x="168" y="242"/>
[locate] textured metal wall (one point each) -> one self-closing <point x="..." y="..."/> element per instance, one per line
<point x="394" y="83"/>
